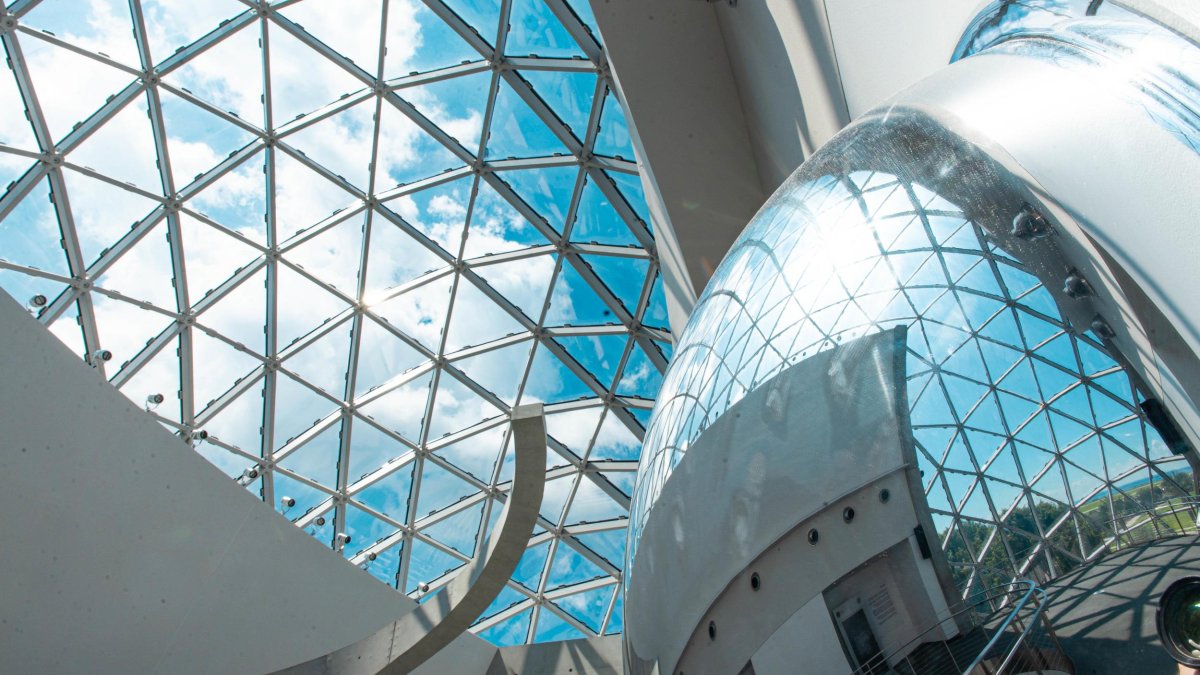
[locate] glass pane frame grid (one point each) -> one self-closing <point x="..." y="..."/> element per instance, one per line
<point x="1012" y="413"/>
<point x="185" y="323"/>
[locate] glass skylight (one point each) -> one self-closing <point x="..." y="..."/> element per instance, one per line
<point x="343" y="238"/>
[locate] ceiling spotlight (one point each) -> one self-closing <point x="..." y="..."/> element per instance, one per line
<point x="320" y="521"/>
<point x="371" y="557"/>
<point x="287" y="502"/>
<point x="37" y="302"/>
<point x="423" y="587"/>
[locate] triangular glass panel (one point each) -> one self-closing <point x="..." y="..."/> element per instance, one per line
<point x="494" y="370"/>
<point x="569" y="567"/>
<point x="227" y="75"/>
<point x="598" y="222"/>
<point x="641" y="377"/>
<point x="406" y="153"/>
<point x="634" y="192"/>
<point x="625" y="277"/>
<point x="302" y="305"/>
<point x="574" y="428"/>
<point x="532" y="563"/>
<point x="395" y="258"/>
<point x="555" y="496"/>
<point x="440" y="212"/>
<point x="551" y="381"/>
<point x="507" y="597"/>
<point x="317" y="459"/>
<point x="323" y="362"/>
<point x="428" y="564"/>
<point x="241" y="313"/>
<point x="517" y="131"/>
<point x="477" y="319"/>
<point x="419" y="313"/>
<point x="15" y="129"/>
<point x="613" y="139"/>
<point x="600" y="354"/>
<point x="476" y="454"/>
<point x="31" y="236"/>
<point x="456" y="105"/>
<point x="402" y="409"/>
<point x="332" y="256"/>
<point x="297" y="408"/>
<point x="239" y="423"/>
<point x="310" y="81"/>
<point x="390" y="494"/>
<point x="303" y="197"/>
<point x="341" y="142"/>
<point x="350" y="27"/>
<point x="439" y="489"/>
<point x="510" y="632"/>
<point x="72" y="86"/>
<point x="615" y="441"/>
<point x="69" y="331"/>
<point x="216" y="366"/>
<point x="535" y="31"/>
<point x="198" y="140"/>
<point x="212" y="256"/>
<point x="656" y="310"/>
<point x="419" y="41"/>
<point x="144" y="271"/>
<point x="481" y="15"/>
<point x="548" y="190"/>
<point x="574" y="302"/>
<point x="552" y="627"/>
<point x="457" y="407"/>
<point x="381" y="356"/>
<point x="497" y="226"/>
<point x="370" y="449"/>
<point x="591" y="504"/>
<point x="609" y="544"/>
<point x="122" y="148"/>
<point x="161" y="376"/>
<point x="458" y="531"/>
<point x="237" y="201"/>
<point x="366" y="530"/>
<point x="181" y="22"/>
<point x="568" y="93"/>
<point x="524" y="283"/>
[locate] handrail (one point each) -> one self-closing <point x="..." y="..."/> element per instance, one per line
<point x="1154" y="518"/>
<point x="1029" y="595"/>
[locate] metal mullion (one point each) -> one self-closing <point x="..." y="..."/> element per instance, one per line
<point x="552" y="63"/>
<point x="321" y="227"/>
<point x="439" y="75"/>
<point x="636" y="402"/>
<point x="241" y="386"/>
<point x="587" y="330"/>
<point x="478" y="389"/>
<point x="33" y="107"/>
<point x="35" y="272"/>
<point x="577" y="368"/>
<point x="536" y="219"/>
<point x="82" y="282"/>
<point x="223" y="168"/>
<point x="394" y="383"/>
<point x="18" y="8"/>
<point x="232" y="449"/>
<point x="320" y="169"/>
<point x="297" y="31"/>
<point x="612" y="250"/>
<point x="115" y="104"/>
<point x="47" y="36"/>
<point x="476" y="350"/>
<point x="601" y="289"/>
<point x="446" y="512"/>
<point x="591" y="585"/>
<point x="582" y="36"/>
<point x="271" y="281"/>
<point x="542" y="162"/>
<point x="604" y="163"/>
<point x="381" y="545"/>
<point x="128" y="187"/>
<point x="225" y="115"/>
<point x="509" y="256"/>
<point x="414" y="494"/>
<point x="564" y="615"/>
<point x="540" y="599"/>
<point x="612" y="603"/>
<point x="543" y="111"/>
<point x="384" y="471"/>
<point x="612" y="525"/>
<point x="335" y="292"/>
<point x="417" y="235"/>
<point x="205" y="42"/>
<point x="595" y="558"/>
<point x="578" y="404"/>
<point x="226" y="287"/>
<point x="326" y="327"/>
<point x="424" y="183"/>
<point x="388" y="294"/>
<point x="504" y="303"/>
<point x="308" y="119"/>
<point x="302" y="439"/>
<point x="504" y="614"/>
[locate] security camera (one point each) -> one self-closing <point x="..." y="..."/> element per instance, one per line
<point x="101" y="355"/>
<point x="371" y="557"/>
<point x="423" y="587"/>
<point x="288" y="502"/>
<point x="153" y="401"/>
<point x="38" y="301"/>
<point x="320" y="520"/>
<point x="201" y="435"/>
<point x="343" y="538"/>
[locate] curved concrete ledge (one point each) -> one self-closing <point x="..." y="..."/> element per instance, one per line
<point x="409" y="641"/>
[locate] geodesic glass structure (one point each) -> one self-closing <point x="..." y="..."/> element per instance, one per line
<point x="1028" y="434"/>
<point x="332" y="243"/>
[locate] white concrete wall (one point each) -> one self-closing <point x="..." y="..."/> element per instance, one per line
<point x="124" y="551"/>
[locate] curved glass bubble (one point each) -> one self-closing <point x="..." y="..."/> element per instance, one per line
<point x="1127" y="53"/>
<point x="1028" y="435"/>
<point x="341" y="240"/>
